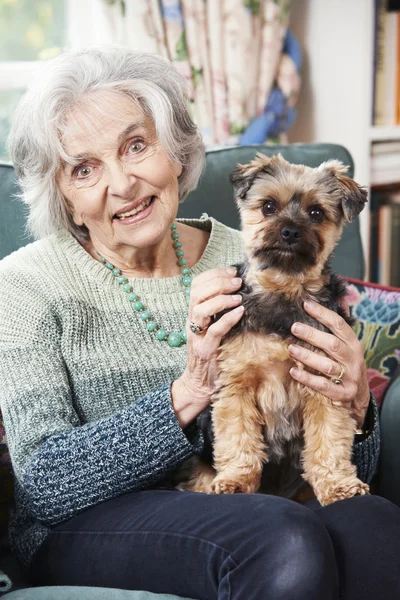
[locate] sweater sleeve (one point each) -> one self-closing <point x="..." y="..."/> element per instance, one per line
<point x="62" y="465"/>
<point x="131" y="450"/>
<point x="366" y="451"/>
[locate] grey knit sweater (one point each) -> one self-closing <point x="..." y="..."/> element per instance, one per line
<point x="85" y="388"/>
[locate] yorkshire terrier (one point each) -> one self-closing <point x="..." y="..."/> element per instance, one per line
<point x="270" y="433"/>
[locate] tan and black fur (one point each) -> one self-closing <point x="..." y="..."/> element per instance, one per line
<point x="270" y="433"/>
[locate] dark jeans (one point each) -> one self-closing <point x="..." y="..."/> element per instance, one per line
<point x="248" y="547"/>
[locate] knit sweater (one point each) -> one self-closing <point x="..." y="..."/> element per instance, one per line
<point x="85" y="388"/>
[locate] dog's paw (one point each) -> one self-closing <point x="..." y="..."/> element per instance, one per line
<point x="224" y="487"/>
<point x="343" y="491"/>
<point x="232" y="486"/>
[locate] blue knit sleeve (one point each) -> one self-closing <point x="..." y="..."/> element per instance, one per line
<point x="366" y="452"/>
<point x="131" y="450"/>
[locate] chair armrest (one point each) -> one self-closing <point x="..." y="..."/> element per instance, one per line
<point x="389" y="469"/>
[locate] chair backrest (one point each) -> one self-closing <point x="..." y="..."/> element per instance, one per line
<point x="12" y="214"/>
<point x="213" y="196"/>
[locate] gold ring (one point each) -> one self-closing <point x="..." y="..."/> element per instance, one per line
<point x="338" y="380"/>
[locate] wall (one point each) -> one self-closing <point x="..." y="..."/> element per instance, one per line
<point x="336" y="98"/>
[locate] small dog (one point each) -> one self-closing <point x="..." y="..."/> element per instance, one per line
<point x="269" y="432"/>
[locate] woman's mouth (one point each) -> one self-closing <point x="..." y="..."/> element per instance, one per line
<point x="138" y="209"/>
<point x="137" y="214"/>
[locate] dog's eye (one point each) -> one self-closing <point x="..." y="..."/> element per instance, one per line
<point x="316" y="215"/>
<point x="269" y="208"/>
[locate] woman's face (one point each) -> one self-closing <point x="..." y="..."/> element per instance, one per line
<point x="125" y="186"/>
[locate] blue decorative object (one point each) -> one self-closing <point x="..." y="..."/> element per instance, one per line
<point x="292" y="47"/>
<point x="278" y="116"/>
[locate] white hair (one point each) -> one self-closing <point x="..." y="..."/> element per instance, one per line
<point x="35" y="140"/>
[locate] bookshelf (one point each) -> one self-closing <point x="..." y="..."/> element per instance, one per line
<point x="336" y="100"/>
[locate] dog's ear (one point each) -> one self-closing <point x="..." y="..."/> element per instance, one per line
<point x="242" y="179"/>
<point x="354" y="196"/>
<point x="244" y="176"/>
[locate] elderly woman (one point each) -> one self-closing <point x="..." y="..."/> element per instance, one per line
<point x="101" y="379"/>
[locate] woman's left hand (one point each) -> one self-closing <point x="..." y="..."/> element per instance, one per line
<point x="343" y="349"/>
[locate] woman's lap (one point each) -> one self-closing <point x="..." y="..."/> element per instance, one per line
<point x="365" y="533"/>
<point x="202" y="546"/>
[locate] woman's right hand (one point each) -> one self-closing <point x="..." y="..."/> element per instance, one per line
<point x="211" y="293"/>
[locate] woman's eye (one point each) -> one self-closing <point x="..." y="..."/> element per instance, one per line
<point x="83" y="172"/>
<point x="136" y="147"/>
<point x="316" y="215"/>
<point x="269" y="208"/>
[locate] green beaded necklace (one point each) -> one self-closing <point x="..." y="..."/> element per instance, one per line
<point x="173" y="339"/>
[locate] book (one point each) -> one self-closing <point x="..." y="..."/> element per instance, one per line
<point x="385" y="148"/>
<point x="390" y="69"/>
<point x="385" y="163"/>
<point x="395" y="247"/>
<point x="386" y="81"/>
<point x="385" y="238"/>
<point x="398" y="72"/>
<point x="375" y="200"/>
<point x="384" y="243"/>
<point x="379" y="76"/>
<point x="390" y="175"/>
<point x="382" y="162"/>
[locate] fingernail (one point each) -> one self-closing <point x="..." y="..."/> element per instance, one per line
<point x="310" y="305"/>
<point x="236" y="281"/>
<point x="294" y="372"/>
<point x="238" y="309"/>
<point x="293" y="349"/>
<point x="231" y="271"/>
<point x="237" y="297"/>
<point x="297" y="328"/>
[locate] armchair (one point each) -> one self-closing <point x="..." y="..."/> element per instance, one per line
<point x="214" y="196"/>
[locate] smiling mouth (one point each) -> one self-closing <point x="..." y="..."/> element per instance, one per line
<point x="139" y="208"/>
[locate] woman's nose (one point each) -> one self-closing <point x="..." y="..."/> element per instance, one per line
<point x="121" y="180"/>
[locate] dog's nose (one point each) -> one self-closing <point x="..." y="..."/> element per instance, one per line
<point x="290" y="235"/>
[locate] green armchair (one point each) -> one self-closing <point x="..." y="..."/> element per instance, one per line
<point x="214" y="196"/>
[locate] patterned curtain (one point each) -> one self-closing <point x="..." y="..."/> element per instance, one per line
<point x="241" y="61"/>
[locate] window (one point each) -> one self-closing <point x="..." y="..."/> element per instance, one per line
<point x="32" y="31"/>
<point x="29" y="32"/>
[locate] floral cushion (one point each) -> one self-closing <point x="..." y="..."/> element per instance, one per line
<point x="377" y="310"/>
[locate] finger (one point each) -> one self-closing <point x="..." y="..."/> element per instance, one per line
<point x="214" y="274"/>
<point x="331" y="320"/>
<point x="320" y="339"/>
<point x="216" y="286"/>
<point x="220" y="328"/>
<point x="334" y="392"/>
<point x="202" y="313"/>
<point x="207" y="276"/>
<point x="319" y="363"/>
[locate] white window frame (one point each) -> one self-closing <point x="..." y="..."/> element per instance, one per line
<point x="88" y="23"/>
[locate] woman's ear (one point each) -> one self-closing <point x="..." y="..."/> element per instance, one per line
<point x="177" y="168"/>
<point x="78" y="219"/>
